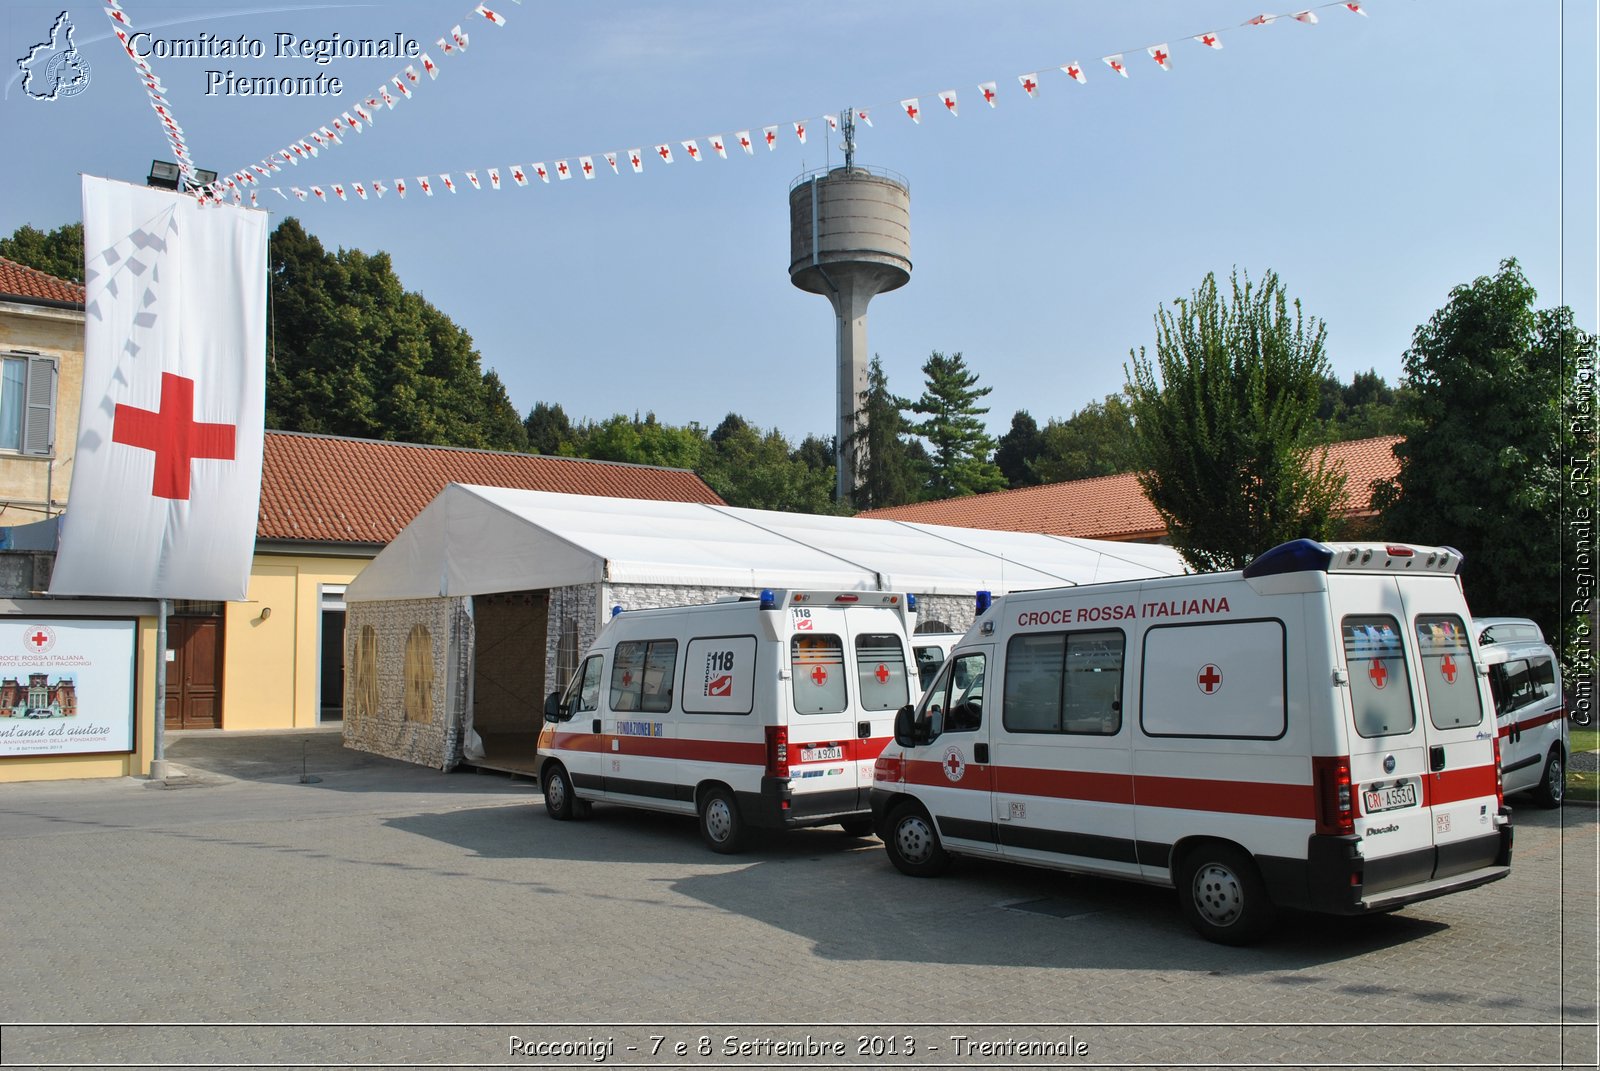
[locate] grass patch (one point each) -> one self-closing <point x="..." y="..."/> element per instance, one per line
<point x="1583" y="784"/>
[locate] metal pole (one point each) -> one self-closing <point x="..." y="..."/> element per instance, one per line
<point x="158" y="756"/>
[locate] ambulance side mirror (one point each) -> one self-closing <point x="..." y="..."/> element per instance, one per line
<point x="552" y="708"/>
<point x="905" y="726"/>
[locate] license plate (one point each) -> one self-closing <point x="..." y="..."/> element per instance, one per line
<point x="1394" y="798"/>
<point x="821" y="754"/>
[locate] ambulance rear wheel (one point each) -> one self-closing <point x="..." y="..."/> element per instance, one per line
<point x="558" y="797"/>
<point x="913" y="843"/>
<point x="1223" y="895"/>
<point x="1553" y="785"/>
<point x="721" y="826"/>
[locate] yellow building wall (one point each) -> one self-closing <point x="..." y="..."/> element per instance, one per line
<point x="272" y="642"/>
<point x="26" y="482"/>
<point x="79" y="767"/>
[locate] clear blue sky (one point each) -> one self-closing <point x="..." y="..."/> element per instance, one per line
<point x="1374" y="163"/>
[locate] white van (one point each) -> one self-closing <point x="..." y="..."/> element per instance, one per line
<point x="1525" y="681"/>
<point x="761" y="712"/>
<point x="1312" y="732"/>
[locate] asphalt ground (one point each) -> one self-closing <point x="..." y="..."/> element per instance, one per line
<point x="288" y="903"/>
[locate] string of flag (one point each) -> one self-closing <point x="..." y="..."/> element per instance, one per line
<point x="397" y="89"/>
<point x="152" y="87"/>
<point x="745" y="141"/>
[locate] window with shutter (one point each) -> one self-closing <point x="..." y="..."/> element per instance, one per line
<point x="28" y="404"/>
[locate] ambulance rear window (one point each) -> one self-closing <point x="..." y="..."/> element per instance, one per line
<point x="1447" y="672"/>
<point x="881" y="671"/>
<point x="817" y="663"/>
<point x="1380" y="691"/>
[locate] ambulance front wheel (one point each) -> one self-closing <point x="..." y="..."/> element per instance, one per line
<point x="721" y="826"/>
<point x="1223" y="894"/>
<point x="913" y="843"/>
<point x="558" y="797"/>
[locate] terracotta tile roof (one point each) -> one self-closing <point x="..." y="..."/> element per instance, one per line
<point x="326" y="489"/>
<point x="21" y="283"/>
<point x="1114" y="507"/>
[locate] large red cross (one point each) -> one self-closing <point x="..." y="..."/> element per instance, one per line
<point x="820" y="676"/>
<point x="173" y="435"/>
<point x="1448" y="667"/>
<point x="1378" y="673"/>
<point x="1209" y="679"/>
<point x="882" y="674"/>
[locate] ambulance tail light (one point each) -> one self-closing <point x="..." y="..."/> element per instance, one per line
<point x="1499" y="781"/>
<point x="1398" y="551"/>
<point x="777" y="751"/>
<point x="1336" y="804"/>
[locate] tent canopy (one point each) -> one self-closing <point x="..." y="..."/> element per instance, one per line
<point x="477" y="540"/>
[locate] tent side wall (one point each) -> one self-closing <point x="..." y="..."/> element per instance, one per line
<point x="408" y="679"/>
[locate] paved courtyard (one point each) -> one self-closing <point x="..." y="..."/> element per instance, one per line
<point x="390" y="915"/>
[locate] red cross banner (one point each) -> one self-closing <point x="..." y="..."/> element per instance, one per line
<point x="166" y="479"/>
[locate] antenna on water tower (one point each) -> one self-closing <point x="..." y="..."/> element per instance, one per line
<point x="849" y="240"/>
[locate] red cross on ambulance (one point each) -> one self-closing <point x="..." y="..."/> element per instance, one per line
<point x="819" y="676"/>
<point x="1209" y="679"/>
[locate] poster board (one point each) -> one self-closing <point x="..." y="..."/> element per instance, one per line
<point x="66" y="686"/>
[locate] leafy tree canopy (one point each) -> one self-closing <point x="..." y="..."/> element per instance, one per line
<point x="1097" y="440"/>
<point x="1481" y="470"/>
<point x="58" y="253"/>
<point x="1225" y="420"/>
<point x="1016" y="450"/>
<point x="354" y="353"/>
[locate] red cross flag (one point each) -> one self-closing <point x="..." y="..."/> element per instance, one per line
<point x="1116" y="64"/>
<point x="743" y="138"/>
<point x="800" y="131"/>
<point x="865" y="116"/>
<point x="400" y="188"/>
<point x="429" y="66"/>
<point x="563" y="172"/>
<point x="636" y="159"/>
<point x="988" y="91"/>
<point x="361" y="191"/>
<point x="948" y="99"/>
<point x="472" y="177"/>
<point x="460" y="38"/>
<point x="449" y="183"/>
<point x="1261" y="20"/>
<point x="1356" y="9"/>
<point x="586" y="165"/>
<point x="493" y="16"/>
<point x="544" y="176"/>
<point x="519" y="176"/>
<point x="1074" y="71"/>
<point x="693" y="149"/>
<point x="611" y="158"/>
<point x="770" y="133"/>
<point x="665" y="152"/>
<point x="427" y="187"/>
<point x="1162" y="57"/>
<point x="494" y="177"/>
<point x="833" y="122"/>
<point x="718" y="147"/>
<point x="1029" y="83"/>
<point x="1210" y="40"/>
<point x="378" y="188"/>
<point x="912" y="109"/>
<point x="166" y="481"/>
<point x="1306" y="16"/>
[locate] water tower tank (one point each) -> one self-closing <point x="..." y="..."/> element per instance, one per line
<point x="849" y="239"/>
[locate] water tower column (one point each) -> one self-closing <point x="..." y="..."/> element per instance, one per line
<point x="850" y="240"/>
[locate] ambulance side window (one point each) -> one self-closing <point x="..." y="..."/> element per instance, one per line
<point x="1064" y="682"/>
<point x="1520" y="681"/>
<point x="817" y="666"/>
<point x="963" y="698"/>
<point x="583" y="693"/>
<point x="929" y="659"/>
<point x="881" y="671"/>
<point x="641" y="675"/>
<point x="1448" y="675"/>
<point x="1380" y="691"/>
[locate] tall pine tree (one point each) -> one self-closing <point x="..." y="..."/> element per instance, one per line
<point x="962" y="462"/>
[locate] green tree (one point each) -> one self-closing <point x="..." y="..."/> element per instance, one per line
<point x="894" y="471"/>
<point x="1016" y="450"/>
<point x="58" y="253"/>
<point x="354" y="353"/>
<point x="1482" y="468"/>
<point x="1097" y="440"/>
<point x="548" y="428"/>
<point x="1364" y="408"/>
<point x="641" y="442"/>
<point x="960" y="446"/>
<point x="1225" y="423"/>
<point x="759" y="470"/>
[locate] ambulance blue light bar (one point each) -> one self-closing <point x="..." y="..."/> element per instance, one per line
<point x="616" y="611"/>
<point x="1299" y="556"/>
<point x="911" y="603"/>
<point x="769" y="601"/>
<point x="985" y="600"/>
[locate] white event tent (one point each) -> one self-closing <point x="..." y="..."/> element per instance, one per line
<point x="474" y="540"/>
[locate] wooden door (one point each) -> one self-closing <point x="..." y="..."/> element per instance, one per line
<point x="194" y="676"/>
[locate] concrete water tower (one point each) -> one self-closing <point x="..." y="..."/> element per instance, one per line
<point x="849" y="239"/>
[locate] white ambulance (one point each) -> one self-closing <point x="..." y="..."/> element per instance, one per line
<point x="1525" y="681"/>
<point x="1313" y="732"/>
<point x="761" y="712"/>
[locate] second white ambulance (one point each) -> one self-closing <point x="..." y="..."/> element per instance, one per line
<point x="1313" y="732"/>
<point x="761" y="712"/>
